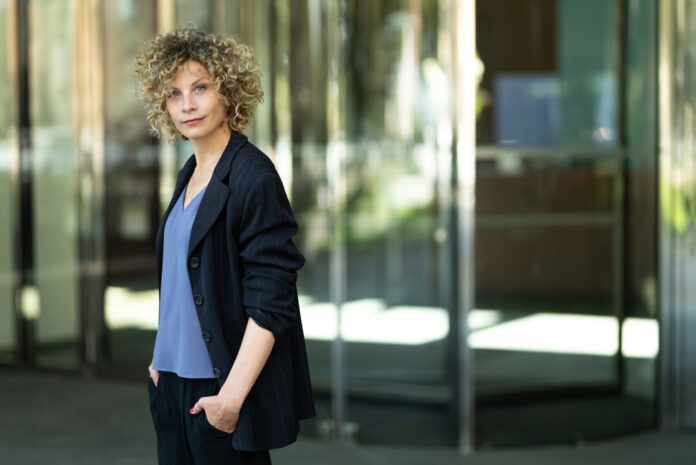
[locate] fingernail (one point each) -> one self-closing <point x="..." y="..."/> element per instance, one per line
<point x="191" y="410"/>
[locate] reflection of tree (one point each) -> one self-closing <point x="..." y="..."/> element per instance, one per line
<point x="132" y="204"/>
<point x="308" y="83"/>
<point x="483" y="98"/>
<point x="677" y="208"/>
<point x="385" y="42"/>
<point x="391" y="65"/>
<point x="393" y="101"/>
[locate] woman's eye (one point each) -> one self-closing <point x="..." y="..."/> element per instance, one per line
<point x="201" y="87"/>
<point x="172" y="94"/>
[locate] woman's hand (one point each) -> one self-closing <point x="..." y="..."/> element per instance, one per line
<point x="223" y="409"/>
<point x="154" y="374"/>
<point x="220" y="415"/>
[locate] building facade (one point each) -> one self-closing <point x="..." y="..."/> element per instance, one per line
<point x="495" y="199"/>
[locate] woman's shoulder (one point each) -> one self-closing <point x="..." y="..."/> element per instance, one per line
<point x="250" y="165"/>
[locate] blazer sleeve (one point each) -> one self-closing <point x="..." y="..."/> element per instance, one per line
<point x="269" y="257"/>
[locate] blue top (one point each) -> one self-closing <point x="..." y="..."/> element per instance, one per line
<point x="179" y="346"/>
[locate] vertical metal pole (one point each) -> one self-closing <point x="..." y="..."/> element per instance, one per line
<point x="337" y="286"/>
<point x="464" y="151"/>
<point x="336" y="154"/>
<point x="620" y="197"/>
<point x="449" y="272"/>
<point x="657" y="21"/>
<point x="670" y="359"/>
<point x="16" y="55"/>
<point x="20" y="168"/>
<point x="89" y="135"/>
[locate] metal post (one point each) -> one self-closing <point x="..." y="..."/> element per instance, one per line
<point x="20" y="174"/>
<point x="669" y="315"/>
<point x="464" y="152"/>
<point x="620" y="197"/>
<point x="89" y="141"/>
<point x="336" y="154"/>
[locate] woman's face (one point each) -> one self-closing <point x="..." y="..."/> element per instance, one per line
<point x="194" y="104"/>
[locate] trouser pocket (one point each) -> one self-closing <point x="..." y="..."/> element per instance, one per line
<point x="210" y="430"/>
<point x="152" y="394"/>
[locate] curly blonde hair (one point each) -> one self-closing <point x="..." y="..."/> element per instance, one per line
<point x="229" y="62"/>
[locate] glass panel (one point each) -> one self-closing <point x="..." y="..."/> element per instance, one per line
<point x="677" y="214"/>
<point x="54" y="184"/>
<point x="640" y="331"/>
<point x="395" y="321"/>
<point x="197" y="12"/>
<point x="7" y="206"/>
<point x="550" y="72"/>
<point x="544" y="273"/>
<point x="641" y="63"/>
<point x="565" y="244"/>
<point x="132" y="192"/>
<point x="300" y="122"/>
<point x="249" y="22"/>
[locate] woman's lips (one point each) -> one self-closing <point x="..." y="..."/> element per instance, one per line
<point x="191" y="122"/>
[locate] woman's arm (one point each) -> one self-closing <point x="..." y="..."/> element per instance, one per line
<point x="270" y="262"/>
<point x="223" y="409"/>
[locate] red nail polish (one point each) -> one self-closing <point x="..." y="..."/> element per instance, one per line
<point x="191" y="410"/>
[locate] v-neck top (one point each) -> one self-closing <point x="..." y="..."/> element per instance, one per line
<point x="179" y="346"/>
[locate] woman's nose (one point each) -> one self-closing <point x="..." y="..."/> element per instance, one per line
<point x="188" y="102"/>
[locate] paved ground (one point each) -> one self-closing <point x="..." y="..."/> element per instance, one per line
<point x="61" y="419"/>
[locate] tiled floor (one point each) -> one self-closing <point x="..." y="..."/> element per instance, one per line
<point x="61" y="419"/>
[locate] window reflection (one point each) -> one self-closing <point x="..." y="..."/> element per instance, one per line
<point x="555" y="239"/>
<point x="7" y="103"/>
<point x="54" y="185"/>
<point x="554" y="81"/>
<point x="132" y="208"/>
<point x="565" y="243"/>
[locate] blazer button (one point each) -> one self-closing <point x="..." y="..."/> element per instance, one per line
<point x="198" y="300"/>
<point x="194" y="262"/>
<point x="206" y="337"/>
<point x="217" y="372"/>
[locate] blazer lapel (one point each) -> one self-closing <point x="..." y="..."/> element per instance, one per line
<point x="215" y="196"/>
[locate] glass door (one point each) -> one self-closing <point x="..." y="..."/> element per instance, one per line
<point x="565" y="330"/>
<point x="50" y="301"/>
<point x="398" y="251"/>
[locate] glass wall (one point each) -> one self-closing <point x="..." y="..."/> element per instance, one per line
<point x="640" y="328"/>
<point x="358" y="119"/>
<point x="565" y="219"/>
<point x="395" y="318"/>
<point x="132" y="186"/>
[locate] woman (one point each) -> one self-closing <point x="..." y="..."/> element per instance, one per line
<point x="229" y="377"/>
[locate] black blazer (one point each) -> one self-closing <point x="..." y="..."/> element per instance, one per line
<point x="242" y="263"/>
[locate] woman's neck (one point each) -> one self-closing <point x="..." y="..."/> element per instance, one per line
<point x="209" y="150"/>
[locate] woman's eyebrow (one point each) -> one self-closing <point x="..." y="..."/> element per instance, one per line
<point x="192" y="84"/>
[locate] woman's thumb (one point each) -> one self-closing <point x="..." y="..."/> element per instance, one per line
<point x="197" y="408"/>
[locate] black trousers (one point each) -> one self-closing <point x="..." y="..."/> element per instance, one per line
<point x="186" y="439"/>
